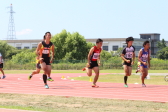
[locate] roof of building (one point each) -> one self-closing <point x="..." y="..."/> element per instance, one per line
<point x="149" y="34"/>
<point x="88" y="40"/>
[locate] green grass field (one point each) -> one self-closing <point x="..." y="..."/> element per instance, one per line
<point x="78" y="71"/>
<point x="118" y="78"/>
<point x="48" y="103"/>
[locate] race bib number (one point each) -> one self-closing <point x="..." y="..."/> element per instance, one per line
<point x="144" y="57"/>
<point x="45" y="51"/>
<point x="96" y="55"/>
<point x="129" y="55"/>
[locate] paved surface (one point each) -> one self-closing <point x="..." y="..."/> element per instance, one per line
<point x="18" y="83"/>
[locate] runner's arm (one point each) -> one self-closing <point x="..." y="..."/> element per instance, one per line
<point x="139" y="56"/>
<point x="98" y="60"/>
<point x="52" y="57"/>
<point x="149" y="58"/>
<point x="90" y="53"/>
<point x="38" y="48"/>
<point x="133" y="57"/>
<point x="122" y="56"/>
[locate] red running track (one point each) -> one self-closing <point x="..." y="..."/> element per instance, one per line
<point x="18" y="83"/>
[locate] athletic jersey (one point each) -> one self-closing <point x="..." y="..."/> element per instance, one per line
<point x="96" y="54"/>
<point x="128" y="52"/>
<point x="144" y="56"/>
<point x="45" y="49"/>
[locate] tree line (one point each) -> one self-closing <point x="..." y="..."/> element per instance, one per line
<point x="68" y="46"/>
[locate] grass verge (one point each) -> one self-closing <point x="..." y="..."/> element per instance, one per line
<point x="78" y="71"/>
<point x="117" y="78"/>
<point x="49" y="103"/>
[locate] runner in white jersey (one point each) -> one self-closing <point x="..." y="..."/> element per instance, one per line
<point x="128" y="55"/>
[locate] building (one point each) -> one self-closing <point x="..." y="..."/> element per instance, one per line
<point x="109" y="44"/>
<point x="23" y="44"/>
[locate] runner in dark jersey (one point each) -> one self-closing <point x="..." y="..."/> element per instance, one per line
<point x="144" y="58"/>
<point x="128" y="55"/>
<point x="38" y="67"/>
<point x="45" y="47"/>
<point x="93" y="57"/>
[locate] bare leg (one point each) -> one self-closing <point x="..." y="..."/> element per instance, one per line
<point x="129" y="70"/>
<point x="88" y="71"/>
<point x="96" y="70"/>
<point x="126" y="74"/>
<point x="44" y="67"/>
<point x="144" y="72"/>
<point x="2" y="71"/>
<point x="48" y="70"/>
<point x="37" y="71"/>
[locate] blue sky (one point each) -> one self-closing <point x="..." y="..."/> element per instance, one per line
<point x="91" y="18"/>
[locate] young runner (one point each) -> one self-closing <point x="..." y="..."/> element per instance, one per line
<point x="46" y="47"/>
<point x="38" y="67"/>
<point x="1" y="66"/>
<point x="144" y="58"/>
<point x="93" y="57"/>
<point x="128" y="55"/>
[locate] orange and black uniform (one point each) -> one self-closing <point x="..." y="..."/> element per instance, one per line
<point x="45" y="52"/>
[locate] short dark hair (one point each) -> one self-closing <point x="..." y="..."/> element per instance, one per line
<point x="45" y="35"/>
<point x="147" y="41"/>
<point x="129" y="39"/>
<point x="99" y="40"/>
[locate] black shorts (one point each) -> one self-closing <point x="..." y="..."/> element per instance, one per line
<point x="128" y="64"/>
<point x="38" y="66"/>
<point x="46" y="60"/>
<point x="1" y="65"/>
<point x="93" y="64"/>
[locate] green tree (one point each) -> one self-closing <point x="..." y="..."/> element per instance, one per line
<point x="118" y="52"/>
<point x="161" y="44"/>
<point x="26" y="56"/>
<point x="59" y="42"/>
<point x="6" y="50"/>
<point x="70" y="46"/>
<point x="76" y="47"/>
<point x="105" y="55"/>
<point x="163" y="53"/>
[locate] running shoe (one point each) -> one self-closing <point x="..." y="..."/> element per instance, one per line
<point x="50" y="79"/>
<point x="143" y="85"/>
<point x="136" y="71"/>
<point x="125" y="85"/>
<point x="95" y="86"/>
<point x="3" y="77"/>
<point x="29" y="77"/>
<point x="83" y="69"/>
<point x="46" y="86"/>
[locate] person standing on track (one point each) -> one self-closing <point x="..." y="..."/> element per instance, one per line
<point x="93" y="57"/>
<point x="144" y="58"/>
<point x="128" y="55"/>
<point x="1" y="66"/>
<point x="45" y="47"/>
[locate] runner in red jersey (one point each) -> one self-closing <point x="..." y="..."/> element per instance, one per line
<point x="93" y="57"/>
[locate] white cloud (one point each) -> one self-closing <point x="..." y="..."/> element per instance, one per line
<point x="24" y="32"/>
